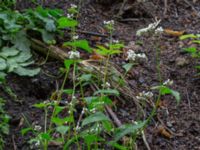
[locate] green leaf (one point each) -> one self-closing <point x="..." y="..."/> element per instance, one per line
<point x="2" y="77"/>
<point x="108" y="92"/>
<point x="190" y="49"/>
<point x="104" y="51"/>
<point x="128" y="66"/>
<point x="128" y="129"/>
<point x="45" y="136"/>
<point x="21" y="42"/>
<point x="60" y="121"/>
<point x="183" y="37"/>
<point x="62" y="129"/>
<point x="25" y="131"/>
<point x="107" y="125"/>
<point x="91" y="138"/>
<point x="97" y="117"/>
<point x="86" y="77"/>
<point x="176" y="95"/>
<point x="196" y="41"/>
<point x="68" y="63"/>
<point x="68" y="91"/>
<point x="83" y="44"/>
<point x="58" y="109"/>
<point x="65" y="22"/>
<point x="50" y="25"/>
<point x="26" y="72"/>
<point x="47" y="37"/>
<point x="3" y="64"/>
<point x="8" y="51"/>
<point x="165" y="90"/>
<point x="117" y="146"/>
<point x="40" y="105"/>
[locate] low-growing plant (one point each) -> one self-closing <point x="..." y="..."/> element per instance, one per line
<point x="193" y="51"/>
<point x="4" y="123"/>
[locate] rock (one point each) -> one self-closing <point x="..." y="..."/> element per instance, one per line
<point x="181" y="61"/>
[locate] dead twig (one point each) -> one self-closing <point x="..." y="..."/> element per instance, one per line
<point x="89" y="33"/>
<point x="14" y="144"/>
<point x="166" y="7"/>
<point x="113" y="116"/>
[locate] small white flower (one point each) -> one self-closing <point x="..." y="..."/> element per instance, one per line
<point x="75" y="37"/>
<point x="73" y="6"/>
<point x="115" y="41"/>
<point x="84" y="110"/>
<point x="168" y="82"/>
<point x="111" y="22"/>
<point x="77" y="128"/>
<point x="37" y="127"/>
<point x="93" y="110"/>
<point x="144" y="95"/>
<point x="131" y="55"/>
<point x="70" y="16"/>
<point x="106" y="85"/>
<point x="159" y="30"/>
<point x="46" y="102"/>
<point x="37" y="143"/>
<point x="74" y="54"/>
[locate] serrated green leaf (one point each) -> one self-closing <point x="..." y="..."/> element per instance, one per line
<point x="65" y="22"/>
<point x="83" y="44"/>
<point x="26" y="72"/>
<point x="97" y="117"/>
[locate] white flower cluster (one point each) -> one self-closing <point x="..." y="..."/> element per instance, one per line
<point x="37" y="127"/>
<point x="115" y="41"/>
<point x="168" y="82"/>
<point x="96" y="129"/>
<point x="111" y="22"/>
<point x="75" y="37"/>
<point x="131" y="55"/>
<point x="150" y="27"/>
<point x="73" y="6"/>
<point x="144" y="95"/>
<point x="84" y="110"/>
<point x="106" y="85"/>
<point x="159" y="30"/>
<point x="70" y="15"/>
<point x="74" y="54"/>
